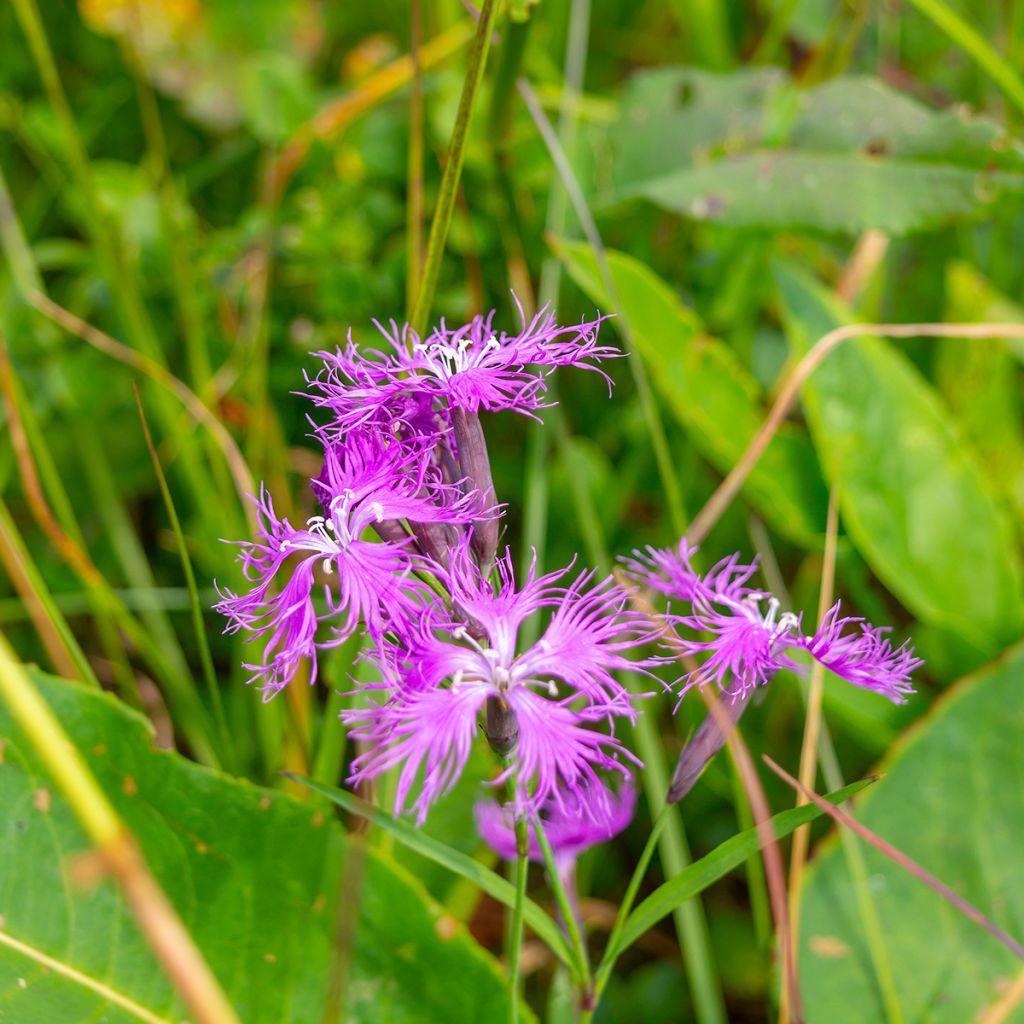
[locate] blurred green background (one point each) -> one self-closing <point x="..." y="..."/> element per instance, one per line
<point x="198" y="194"/>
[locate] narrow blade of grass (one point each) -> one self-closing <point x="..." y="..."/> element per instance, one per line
<point x="455" y="861"/>
<point x="701" y="873"/>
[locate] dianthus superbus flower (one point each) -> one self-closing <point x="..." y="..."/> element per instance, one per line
<point x="473" y="367"/>
<point x="369" y="481"/>
<point x="750" y="640"/>
<point x="545" y="705"/>
<point x="588" y="817"/>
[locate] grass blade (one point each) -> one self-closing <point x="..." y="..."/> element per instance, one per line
<point x="454" y="860"/>
<point x="730" y="854"/>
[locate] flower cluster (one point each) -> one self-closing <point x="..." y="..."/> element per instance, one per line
<point x="744" y="640"/>
<point x="404" y="547"/>
<point x="405" y="458"/>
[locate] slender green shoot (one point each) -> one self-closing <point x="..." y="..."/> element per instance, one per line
<point x="453" y="167"/>
<point x="205" y="658"/>
<point x="969" y="39"/>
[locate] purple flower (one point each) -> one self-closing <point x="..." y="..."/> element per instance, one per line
<point x="473" y="367"/>
<point x="366" y="482"/>
<point x="546" y="698"/>
<point x="749" y="638"/>
<point x="588" y="817"/>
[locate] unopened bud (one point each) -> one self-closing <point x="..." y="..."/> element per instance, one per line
<point x="707" y="741"/>
<point x="476" y="467"/>
<point x="501" y="726"/>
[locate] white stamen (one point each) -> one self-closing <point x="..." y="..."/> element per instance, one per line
<point x="328" y="566"/>
<point x="378" y="511"/>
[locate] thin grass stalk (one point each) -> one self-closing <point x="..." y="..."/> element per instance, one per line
<point x="538" y="444"/>
<point x="607" y="964"/>
<point x="953" y="898"/>
<point x="964" y="35"/>
<point x="705" y="28"/>
<point x="156" y="917"/>
<point x="673" y="849"/>
<point x="453" y="167"/>
<point x="40" y="477"/>
<point x="414" y="168"/>
<point x="570" y="917"/>
<point x="811" y="735"/>
<point x="514" y="935"/>
<point x="105" y="241"/>
<point x="652" y="415"/>
<point x="199" y="630"/>
<point x="727" y="490"/>
<point x="65" y="654"/>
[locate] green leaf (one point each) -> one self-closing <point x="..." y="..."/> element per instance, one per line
<point x="708" y="870"/>
<point x="911" y="494"/>
<point x="749" y="150"/>
<point x="454" y="860"/>
<point x="260" y="881"/>
<point x="952" y="799"/>
<point x="709" y="391"/>
<point x="981" y="380"/>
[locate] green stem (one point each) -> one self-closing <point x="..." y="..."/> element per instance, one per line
<point x="453" y="167"/>
<point x="652" y="415"/>
<point x="515" y="935"/>
<point x="691" y="924"/>
<point x="967" y="37"/>
<point x="705" y="24"/>
<point x="570" y="918"/>
<point x="205" y="658"/>
<point x="611" y="951"/>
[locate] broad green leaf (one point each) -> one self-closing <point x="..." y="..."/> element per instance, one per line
<point x="981" y="380"/>
<point x="953" y="800"/>
<point x="258" y="878"/>
<point x="696" y="877"/>
<point x="834" y="192"/>
<point x="709" y="391"/>
<point x="454" y="860"/>
<point x="750" y="150"/>
<point x="912" y="497"/>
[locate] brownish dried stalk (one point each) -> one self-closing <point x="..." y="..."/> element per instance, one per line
<point x="812" y="724"/>
<point x="1000" y="1010"/>
<point x="898" y="857"/>
<point x="333" y="118"/>
<point x="730" y="486"/>
<point x="725" y="722"/>
<point x="115" y="847"/>
<point x="143" y="364"/>
<point x="37" y="503"/>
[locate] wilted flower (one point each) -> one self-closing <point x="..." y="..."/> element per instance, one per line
<point x="541" y="703"/>
<point x="588" y="817"/>
<point x="750" y="640"/>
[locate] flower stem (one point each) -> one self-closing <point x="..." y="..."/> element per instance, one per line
<point x="611" y="952"/>
<point x="453" y="167"/>
<point x="515" y="939"/>
<point x="570" y="918"/>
